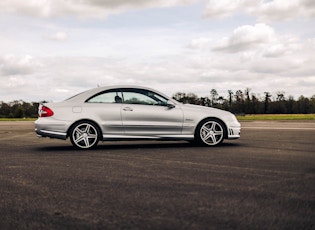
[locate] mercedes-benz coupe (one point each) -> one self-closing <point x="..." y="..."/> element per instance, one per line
<point x="130" y="113"/>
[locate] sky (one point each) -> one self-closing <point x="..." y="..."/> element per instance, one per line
<point x="53" y="49"/>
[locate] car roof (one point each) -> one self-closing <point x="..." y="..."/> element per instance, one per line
<point x="86" y="94"/>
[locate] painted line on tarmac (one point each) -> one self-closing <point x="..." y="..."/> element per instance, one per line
<point x="285" y="128"/>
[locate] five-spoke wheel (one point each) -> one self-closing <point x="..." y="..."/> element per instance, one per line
<point x="84" y="135"/>
<point x="210" y="132"/>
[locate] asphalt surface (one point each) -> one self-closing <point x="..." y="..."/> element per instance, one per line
<point x="264" y="180"/>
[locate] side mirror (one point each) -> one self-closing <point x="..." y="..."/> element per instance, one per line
<point x="170" y="105"/>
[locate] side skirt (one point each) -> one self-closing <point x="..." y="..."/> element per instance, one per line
<point x="156" y="137"/>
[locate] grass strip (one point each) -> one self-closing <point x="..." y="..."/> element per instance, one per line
<point x="18" y="119"/>
<point x="275" y="117"/>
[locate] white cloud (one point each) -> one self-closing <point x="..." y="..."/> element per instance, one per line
<point x="87" y="8"/>
<point x="309" y="7"/>
<point x="40" y="8"/>
<point x="14" y="82"/>
<point x="195" y="55"/>
<point x="278" y="10"/>
<point x="226" y="8"/>
<point x="59" y="36"/>
<point x="200" y="43"/>
<point x="246" y="37"/>
<point x="59" y="78"/>
<point x="265" y="11"/>
<point x="17" y="65"/>
<point x="259" y="58"/>
<point x="275" y="50"/>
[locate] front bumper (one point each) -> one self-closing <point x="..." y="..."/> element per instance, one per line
<point x="234" y="132"/>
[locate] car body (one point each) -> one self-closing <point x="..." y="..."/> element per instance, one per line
<point x="129" y="113"/>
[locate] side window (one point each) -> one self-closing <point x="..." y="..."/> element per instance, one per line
<point x="143" y="97"/>
<point x="106" y="97"/>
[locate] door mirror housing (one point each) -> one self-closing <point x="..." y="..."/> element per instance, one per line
<point x="170" y="105"/>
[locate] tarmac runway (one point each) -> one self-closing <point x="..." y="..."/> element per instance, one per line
<point x="264" y="180"/>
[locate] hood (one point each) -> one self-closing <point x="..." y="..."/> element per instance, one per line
<point x="203" y="108"/>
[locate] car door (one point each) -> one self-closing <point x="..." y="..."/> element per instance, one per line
<point x="105" y="108"/>
<point x="146" y="113"/>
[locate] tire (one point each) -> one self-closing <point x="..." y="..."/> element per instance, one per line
<point x="85" y="135"/>
<point x="210" y="132"/>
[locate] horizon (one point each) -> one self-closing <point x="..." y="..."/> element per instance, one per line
<point x="259" y="96"/>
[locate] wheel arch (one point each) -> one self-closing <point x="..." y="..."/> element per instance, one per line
<point x="85" y="120"/>
<point x="216" y="119"/>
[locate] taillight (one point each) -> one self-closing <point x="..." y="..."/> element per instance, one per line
<point x="45" y="112"/>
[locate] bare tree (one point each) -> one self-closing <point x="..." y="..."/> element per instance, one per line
<point x="230" y="97"/>
<point x="214" y="96"/>
<point x="280" y="96"/>
<point x="267" y="100"/>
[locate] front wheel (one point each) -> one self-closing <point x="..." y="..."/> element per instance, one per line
<point x="84" y="135"/>
<point x="210" y="132"/>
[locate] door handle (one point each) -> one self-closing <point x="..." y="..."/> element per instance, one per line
<point x="127" y="109"/>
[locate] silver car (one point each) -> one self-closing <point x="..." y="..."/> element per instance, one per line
<point x="129" y="113"/>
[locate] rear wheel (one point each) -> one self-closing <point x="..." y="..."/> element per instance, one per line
<point x="84" y="135"/>
<point x="210" y="132"/>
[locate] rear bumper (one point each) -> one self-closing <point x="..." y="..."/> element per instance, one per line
<point x="48" y="127"/>
<point x="51" y="134"/>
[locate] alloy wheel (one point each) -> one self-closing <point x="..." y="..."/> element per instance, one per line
<point x="84" y="135"/>
<point x="211" y="133"/>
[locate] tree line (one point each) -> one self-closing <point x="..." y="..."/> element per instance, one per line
<point x="245" y="102"/>
<point x="19" y="109"/>
<point x="237" y="102"/>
